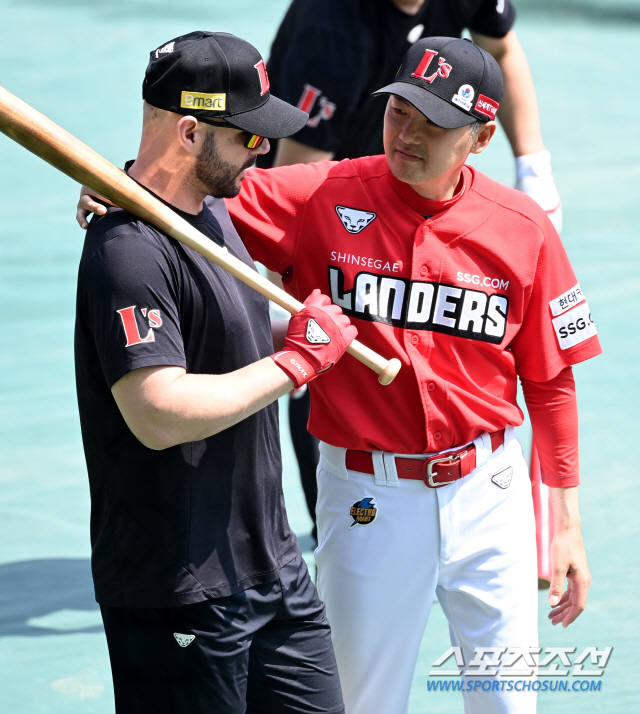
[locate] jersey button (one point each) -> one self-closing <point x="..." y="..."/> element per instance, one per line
<point x="415" y="339"/>
<point x="431" y="386"/>
<point x="437" y="436"/>
<point x="425" y="229"/>
<point x="424" y="270"/>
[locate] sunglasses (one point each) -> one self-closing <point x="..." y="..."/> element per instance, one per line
<point x="253" y="141"/>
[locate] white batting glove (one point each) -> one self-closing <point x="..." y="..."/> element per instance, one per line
<point x="534" y="177"/>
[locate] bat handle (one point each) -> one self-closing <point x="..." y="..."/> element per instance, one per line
<point x="387" y="369"/>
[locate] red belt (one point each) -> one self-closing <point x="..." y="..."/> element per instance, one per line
<point x="435" y="471"/>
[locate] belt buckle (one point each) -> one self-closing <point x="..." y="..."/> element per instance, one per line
<point x="451" y="459"/>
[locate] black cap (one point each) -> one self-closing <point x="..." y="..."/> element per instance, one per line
<point x="451" y="81"/>
<point x="215" y="75"/>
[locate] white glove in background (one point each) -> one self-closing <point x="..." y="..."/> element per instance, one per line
<point x="534" y="177"/>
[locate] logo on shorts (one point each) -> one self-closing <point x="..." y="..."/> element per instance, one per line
<point x="363" y="512"/>
<point x="464" y="97"/>
<point x="316" y="335"/>
<point x="353" y="219"/>
<point x="503" y="478"/>
<point x="184" y="640"/>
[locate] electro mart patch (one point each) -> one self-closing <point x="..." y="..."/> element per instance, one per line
<point x="363" y="512"/>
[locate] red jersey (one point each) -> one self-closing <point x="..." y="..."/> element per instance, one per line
<point x="466" y="299"/>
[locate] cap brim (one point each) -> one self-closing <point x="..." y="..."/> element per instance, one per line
<point x="275" y="119"/>
<point x="431" y="105"/>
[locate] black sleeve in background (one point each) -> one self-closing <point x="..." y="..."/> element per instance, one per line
<point x="321" y="56"/>
<point x="493" y="18"/>
<point x="128" y="297"/>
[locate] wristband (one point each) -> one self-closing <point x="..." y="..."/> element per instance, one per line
<point x="538" y="164"/>
<point x="294" y="366"/>
<point x="534" y="177"/>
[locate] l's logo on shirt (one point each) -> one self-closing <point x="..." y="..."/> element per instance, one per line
<point x="307" y="102"/>
<point x="131" y="330"/>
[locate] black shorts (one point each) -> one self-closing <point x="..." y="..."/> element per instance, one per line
<point x="265" y="650"/>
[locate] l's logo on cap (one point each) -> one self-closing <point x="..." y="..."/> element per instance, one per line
<point x="443" y="71"/>
<point x="264" y="77"/>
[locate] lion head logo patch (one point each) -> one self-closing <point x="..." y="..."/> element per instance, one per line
<point x="353" y="219"/>
<point x="184" y="640"/>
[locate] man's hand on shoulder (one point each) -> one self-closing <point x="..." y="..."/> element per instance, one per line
<point x="88" y="205"/>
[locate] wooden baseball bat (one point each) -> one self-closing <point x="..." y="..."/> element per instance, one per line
<point x="56" y="146"/>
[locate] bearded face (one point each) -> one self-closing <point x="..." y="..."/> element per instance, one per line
<point x="218" y="177"/>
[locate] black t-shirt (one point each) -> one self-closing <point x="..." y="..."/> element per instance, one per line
<point x="329" y="55"/>
<point x="199" y="520"/>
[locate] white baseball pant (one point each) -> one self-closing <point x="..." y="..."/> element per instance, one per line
<point x="471" y="543"/>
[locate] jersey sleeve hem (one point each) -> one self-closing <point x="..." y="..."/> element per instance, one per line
<point x="581" y="354"/>
<point x="566" y="481"/>
<point x="156" y="360"/>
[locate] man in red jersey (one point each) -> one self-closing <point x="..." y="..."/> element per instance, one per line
<point x="423" y="489"/>
<point x="329" y="55"/>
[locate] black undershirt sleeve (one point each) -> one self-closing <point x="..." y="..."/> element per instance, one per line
<point x="493" y="18"/>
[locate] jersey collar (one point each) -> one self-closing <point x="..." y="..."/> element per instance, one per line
<point x="425" y="206"/>
<point x="462" y="216"/>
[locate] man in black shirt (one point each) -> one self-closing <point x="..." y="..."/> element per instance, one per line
<point x="205" y="598"/>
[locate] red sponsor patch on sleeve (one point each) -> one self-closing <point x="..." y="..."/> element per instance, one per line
<point x="487" y="106"/>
